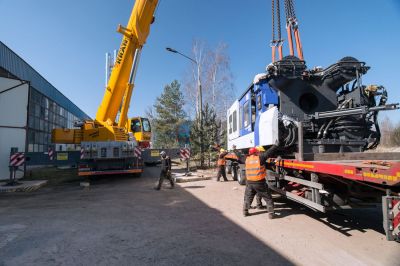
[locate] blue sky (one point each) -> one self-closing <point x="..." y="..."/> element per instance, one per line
<point x="66" y="41"/>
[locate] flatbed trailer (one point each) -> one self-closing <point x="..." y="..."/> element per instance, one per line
<point x="340" y="184"/>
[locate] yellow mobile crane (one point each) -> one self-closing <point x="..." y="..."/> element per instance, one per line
<point x="108" y="145"/>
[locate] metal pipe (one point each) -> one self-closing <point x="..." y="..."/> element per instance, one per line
<point x="135" y="65"/>
<point x="129" y="88"/>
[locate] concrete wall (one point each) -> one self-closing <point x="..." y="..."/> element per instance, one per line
<point x="13" y="120"/>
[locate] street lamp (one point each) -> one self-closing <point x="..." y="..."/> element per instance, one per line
<point x="199" y="90"/>
<point x="199" y="93"/>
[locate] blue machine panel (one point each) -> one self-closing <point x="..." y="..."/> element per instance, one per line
<point x="264" y="97"/>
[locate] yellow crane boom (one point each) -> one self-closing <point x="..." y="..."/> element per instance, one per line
<point x="119" y="89"/>
<point x="120" y="85"/>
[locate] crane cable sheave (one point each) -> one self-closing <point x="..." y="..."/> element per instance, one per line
<point x="120" y="85"/>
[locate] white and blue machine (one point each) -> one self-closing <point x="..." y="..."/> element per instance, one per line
<point x="253" y="118"/>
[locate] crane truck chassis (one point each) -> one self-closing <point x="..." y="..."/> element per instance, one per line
<point x="108" y="142"/>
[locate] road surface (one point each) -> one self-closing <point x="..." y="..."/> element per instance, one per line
<point x="124" y="221"/>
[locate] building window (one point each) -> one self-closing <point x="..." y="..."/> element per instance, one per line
<point x="44" y="116"/>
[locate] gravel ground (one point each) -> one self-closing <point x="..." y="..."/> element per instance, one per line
<point x="123" y="221"/>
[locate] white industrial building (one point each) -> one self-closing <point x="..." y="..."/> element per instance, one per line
<point x="30" y="107"/>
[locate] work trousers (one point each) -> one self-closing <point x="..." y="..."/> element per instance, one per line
<point x="261" y="189"/>
<point x="258" y="200"/>
<point x="163" y="175"/>
<point x="221" y="172"/>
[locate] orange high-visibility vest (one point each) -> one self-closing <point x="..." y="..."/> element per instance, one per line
<point x="221" y="161"/>
<point x="231" y="156"/>
<point x="254" y="170"/>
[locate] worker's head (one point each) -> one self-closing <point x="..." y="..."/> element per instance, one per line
<point x="163" y="154"/>
<point x="222" y="150"/>
<point x="253" y="151"/>
<point x="260" y="148"/>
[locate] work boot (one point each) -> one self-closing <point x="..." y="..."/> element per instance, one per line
<point x="245" y="213"/>
<point x="271" y="215"/>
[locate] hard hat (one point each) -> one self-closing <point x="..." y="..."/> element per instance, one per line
<point x="253" y="151"/>
<point x="260" y="148"/>
<point x="162" y="154"/>
<point x="221" y="150"/>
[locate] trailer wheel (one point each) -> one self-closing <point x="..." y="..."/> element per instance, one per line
<point x="241" y="176"/>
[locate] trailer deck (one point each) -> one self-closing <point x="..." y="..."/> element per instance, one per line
<point x="382" y="172"/>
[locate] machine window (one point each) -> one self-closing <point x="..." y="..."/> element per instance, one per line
<point x="235" y="121"/>
<point x="240" y="117"/>
<point x="259" y="103"/>
<point x="246" y="114"/>
<point x="135" y="126"/>
<point x="230" y="124"/>
<point x="146" y="125"/>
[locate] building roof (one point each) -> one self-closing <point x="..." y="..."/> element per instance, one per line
<point x="14" y="64"/>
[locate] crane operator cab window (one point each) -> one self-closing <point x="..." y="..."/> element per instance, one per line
<point x="136" y="126"/>
<point x="146" y="125"/>
<point x="140" y="125"/>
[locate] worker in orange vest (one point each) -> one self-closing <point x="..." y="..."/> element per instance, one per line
<point x="256" y="183"/>
<point x="221" y="165"/>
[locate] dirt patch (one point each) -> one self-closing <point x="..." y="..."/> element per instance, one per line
<point x="53" y="175"/>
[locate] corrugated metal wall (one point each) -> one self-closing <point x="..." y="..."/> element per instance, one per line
<point x="14" y="64"/>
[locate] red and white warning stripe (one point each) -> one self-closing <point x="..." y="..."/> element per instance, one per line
<point x="138" y="152"/>
<point x="51" y="154"/>
<point x="17" y="159"/>
<point x="396" y="216"/>
<point x="185" y="153"/>
<point x="82" y="152"/>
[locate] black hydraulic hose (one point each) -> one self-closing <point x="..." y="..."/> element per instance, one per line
<point x="378" y="132"/>
<point x="321" y="130"/>
<point x="293" y="136"/>
<point x="327" y="128"/>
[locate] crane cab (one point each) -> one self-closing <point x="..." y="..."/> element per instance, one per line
<point x="141" y="129"/>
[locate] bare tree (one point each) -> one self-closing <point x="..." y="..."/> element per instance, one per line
<point x="219" y="80"/>
<point x="216" y="78"/>
<point x="386" y="127"/>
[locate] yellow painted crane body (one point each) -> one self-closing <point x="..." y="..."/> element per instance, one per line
<point x="119" y="89"/>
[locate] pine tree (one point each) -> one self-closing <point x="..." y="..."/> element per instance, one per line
<point x="168" y="116"/>
<point x="202" y="137"/>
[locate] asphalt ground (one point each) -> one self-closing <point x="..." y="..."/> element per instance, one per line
<point x="124" y="221"/>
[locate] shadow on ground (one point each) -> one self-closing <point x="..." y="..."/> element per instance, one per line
<point x="343" y="221"/>
<point x="122" y="221"/>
